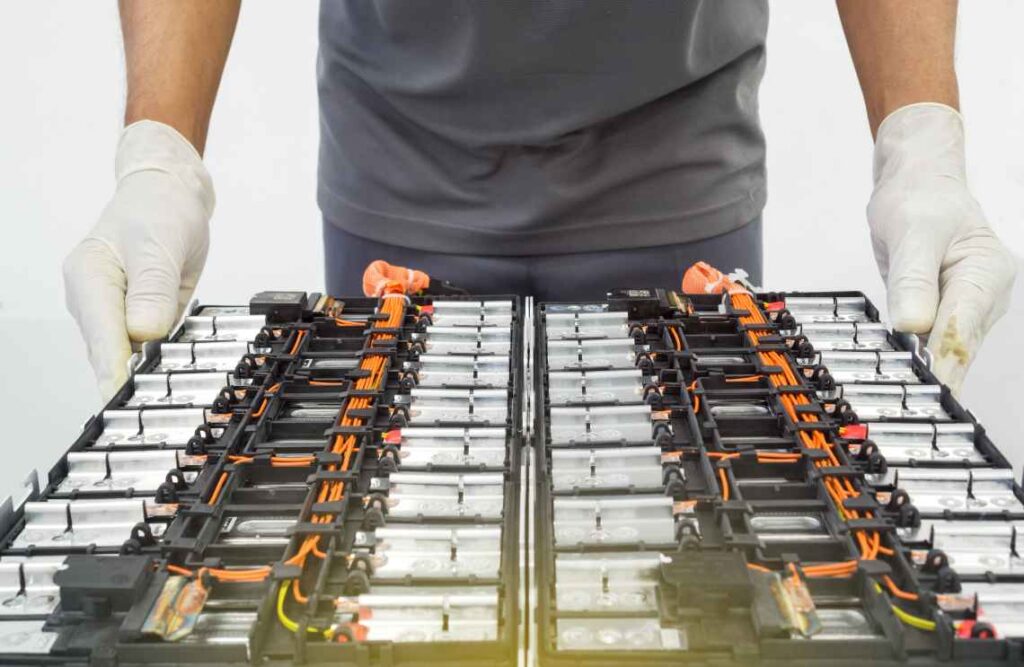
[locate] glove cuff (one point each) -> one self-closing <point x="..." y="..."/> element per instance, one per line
<point x="151" y="145"/>
<point x="920" y="140"/>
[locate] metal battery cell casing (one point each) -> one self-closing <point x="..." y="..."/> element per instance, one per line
<point x="80" y="523"/>
<point x="143" y="471"/>
<point x="617" y="634"/>
<point x="827" y="309"/>
<point x="607" y="582"/>
<point x="488" y="309"/>
<point x="616" y="468"/>
<point x="572" y="326"/>
<point x="433" y="551"/>
<point x="852" y="336"/>
<point x="907" y="443"/>
<point x="221" y="628"/>
<point x="207" y="328"/>
<point x="939" y="490"/>
<point x="466" y="340"/>
<point x="27" y="586"/>
<point x="894" y="401"/>
<point x="442" y="495"/>
<point x="583" y="387"/>
<point x="1001" y="604"/>
<point x="595" y="354"/>
<point x="183" y="389"/>
<point x="264" y="530"/>
<point x="148" y="427"/>
<point x="789" y="527"/>
<point x="473" y="447"/>
<point x="626" y="520"/>
<point x="854" y="367"/>
<point x="26" y="637"/>
<point x="211" y="356"/>
<point x="476" y="406"/>
<point x="440" y="370"/>
<point x="612" y="423"/>
<point x="471" y="313"/>
<point x="841" y="624"/>
<point x="423" y="614"/>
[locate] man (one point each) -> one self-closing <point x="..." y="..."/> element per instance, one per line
<point x="543" y="147"/>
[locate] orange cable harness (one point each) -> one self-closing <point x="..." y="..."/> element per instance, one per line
<point x="393" y="305"/>
<point x="839" y="489"/>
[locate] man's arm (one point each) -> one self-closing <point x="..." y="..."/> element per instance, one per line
<point x="903" y="52"/>
<point x="133" y="274"/>
<point x="945" y="270"/>
<point x="175" y="54"/>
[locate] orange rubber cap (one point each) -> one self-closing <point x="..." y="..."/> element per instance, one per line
<point x="381" y="277"/>
<point x="702" y="278"/>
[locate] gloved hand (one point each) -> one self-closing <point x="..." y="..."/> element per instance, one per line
<point x="133" y="274"/>
<point x="944" y="268"/>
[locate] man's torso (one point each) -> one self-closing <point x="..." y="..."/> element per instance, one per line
<point x="536" y="127"/>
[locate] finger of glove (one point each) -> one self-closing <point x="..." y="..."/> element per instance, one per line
<point x="189" y="281"/>
<point x="94" y="283"/>
<point x="913" y="285"/>
<point x="159" y="245"/>
<point x="976" y="281"/>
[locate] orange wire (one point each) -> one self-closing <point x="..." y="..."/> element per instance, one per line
<point x="217" y="489"/>
<point x="838" y="489"/>
<point x="724" y="479"/>
<point x="344" y="445"/>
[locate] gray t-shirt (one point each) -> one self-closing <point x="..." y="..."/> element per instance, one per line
<point x="523" y="127"/>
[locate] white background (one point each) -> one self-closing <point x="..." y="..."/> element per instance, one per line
<point x="63" y="96"/>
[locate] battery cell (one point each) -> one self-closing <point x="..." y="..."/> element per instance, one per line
<point x="449" y="447"/>
<point x="475" y="406"/>
<point x="895" y="401"/>
<point x="574" y="326"/>
<point x="614" y="386"/>
<point x="617" y="634"/>
<point x="789" y="527"/>
<point x="592" y="354"/>
<point x="27" y="586"/>
<point x="936" y="490"/>
<point x="79" y="523"/>
<point x="466" y="340"/>
<point x="610" y="582"/>
<point x="423" y="615"/>
<point x="854" y="367"/>
<point x="620" y="467"/>
<point x="626" y="520"/>
<point x="143" y="471"/>
<point x="440" y="370"/>
<point x="25" y="637"/>
<point x="852" y="336"/>
<point x="199" y="389"/>
<point x="909" y="443"/>
<point x="489" y="309"/>
<point x="213" y="356"/>
<point x="134" y="428"/>
<point x="442" y="495"/>
<point x="1001" y="604"/>
<point x="827" y="309"/>
<point x="208" y="328"/>
<point x="433" y="551"/>
<point x="614" y="423"/>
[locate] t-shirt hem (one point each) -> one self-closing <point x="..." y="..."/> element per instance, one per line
<point x="436" y="237"/>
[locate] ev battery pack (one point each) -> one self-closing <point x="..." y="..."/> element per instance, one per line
<point x="656" y="478"/>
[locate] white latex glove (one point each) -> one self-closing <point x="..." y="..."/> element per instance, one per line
<point x="133" y="274"/>
<point x="944" y="268"/>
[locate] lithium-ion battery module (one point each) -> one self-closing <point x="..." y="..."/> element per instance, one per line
<point x="714" y="476"/>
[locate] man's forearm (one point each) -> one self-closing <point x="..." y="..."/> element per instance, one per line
<point x="903" y="52"/>
<point x="175" y="54"/>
